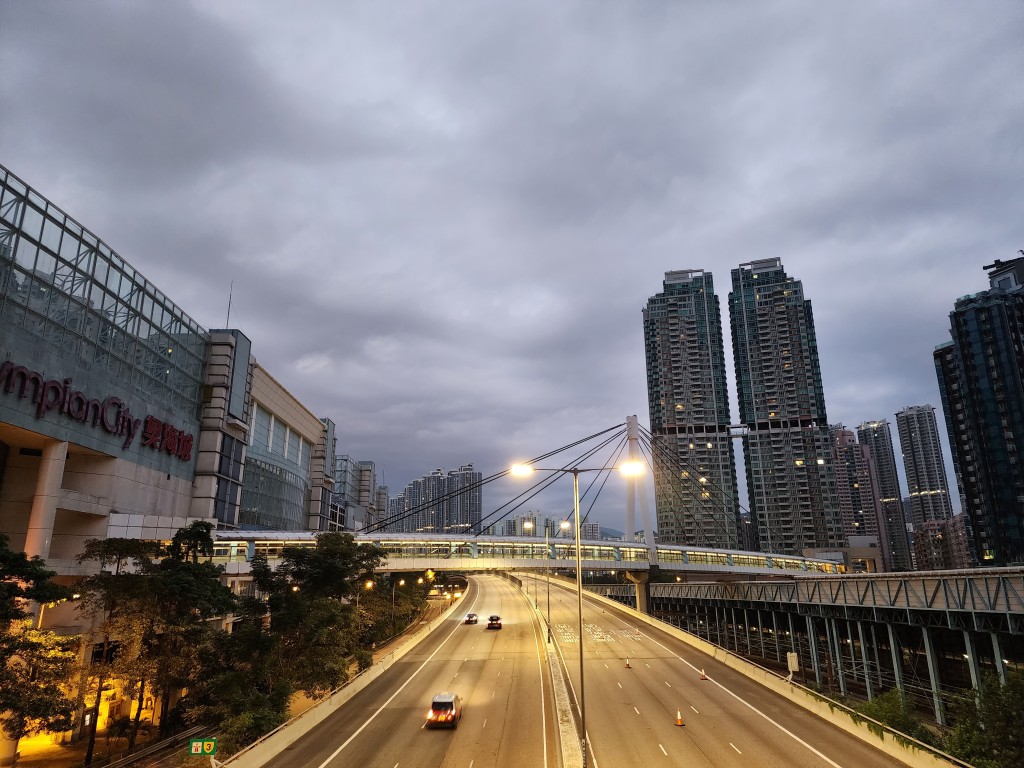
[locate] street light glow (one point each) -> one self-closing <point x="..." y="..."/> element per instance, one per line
<point x="521" y="470"/>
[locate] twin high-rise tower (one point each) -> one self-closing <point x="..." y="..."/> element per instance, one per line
<point x="787" y="444"/>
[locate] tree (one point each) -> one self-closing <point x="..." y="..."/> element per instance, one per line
<point x="33" y="663"/>
<point x="891" y="709"/>
<point x="986" y="728"/>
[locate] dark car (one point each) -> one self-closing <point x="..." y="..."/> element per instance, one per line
<point x="494" y="622"/>
<point x="471" y="618"/>
<point x="445" y="711"/>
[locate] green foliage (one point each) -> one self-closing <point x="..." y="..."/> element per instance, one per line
<point x="37" y="665"/>
<point x="24" y="578"/>
<point x="192" y="543"/>
<point x="986" y="728"/>
<point x="891" y="709"/>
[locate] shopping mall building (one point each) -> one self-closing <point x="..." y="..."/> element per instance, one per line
<point x="120" y="416"/>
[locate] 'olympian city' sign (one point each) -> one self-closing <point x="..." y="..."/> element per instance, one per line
<point x="111" y="413"/>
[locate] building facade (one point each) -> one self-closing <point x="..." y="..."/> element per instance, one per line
<point x="923" y="465"/>
<point x="876" y="436"/>
<point x="980" y="381"/>
<point x="440" y="502"/>
<point x="857" y="489"/>
<point x="788" y="448"/>
<point x="688" y="400"/>
<point x="120" y="416"/>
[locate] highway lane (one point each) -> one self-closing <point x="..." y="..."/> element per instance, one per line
<point x="502" y="675"/>
<point x="728" y="719"/>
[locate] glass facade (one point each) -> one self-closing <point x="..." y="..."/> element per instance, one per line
<point x="276" y="489"/>
<point x="67" y="290"/>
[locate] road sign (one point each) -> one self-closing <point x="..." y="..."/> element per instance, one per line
<point x="202" y="746"/>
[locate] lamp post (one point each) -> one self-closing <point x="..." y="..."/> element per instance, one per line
<point x="628" y="468"/>
<point x="528" y="527"/>
<point x="401" y="583"/>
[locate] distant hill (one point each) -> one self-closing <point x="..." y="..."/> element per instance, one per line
<point x="610" y="533"/>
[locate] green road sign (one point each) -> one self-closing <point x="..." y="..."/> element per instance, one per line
<point x="202" y="747"/>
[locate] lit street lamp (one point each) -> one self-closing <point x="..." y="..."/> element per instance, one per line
<point x="528" y="526"/>
<point x="627" y="468"/>
<point x="401" y="583"/>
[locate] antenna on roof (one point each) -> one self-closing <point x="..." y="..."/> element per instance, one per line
<point x="231" y="290"/>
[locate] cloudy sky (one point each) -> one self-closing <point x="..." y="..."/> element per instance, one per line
<point x="443" y="219"/>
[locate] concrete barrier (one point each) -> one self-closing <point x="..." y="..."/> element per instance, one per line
<point x="261" y="752"/>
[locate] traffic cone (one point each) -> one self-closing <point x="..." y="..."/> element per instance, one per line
<point x="679" y="717"/>
<point x="702" y="675"/>
<point x="627" y="664"/>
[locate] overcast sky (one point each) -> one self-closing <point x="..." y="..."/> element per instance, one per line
<point x="443" y="219"/>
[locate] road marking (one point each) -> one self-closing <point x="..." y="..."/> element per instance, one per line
<point x="736" y="748"/>
<point x="484" y="725"/>
<point x="636" y="710"/>
<point x="668" y="683"/>
<point x="751" y="707"/>
<point x="694" y="709"/>
<point x="401" y="688"/>
<point x="619" y="684"/>
<point x="647" y="665"/>
<point x="659" y="747"/>
<point x="606" y="666"/>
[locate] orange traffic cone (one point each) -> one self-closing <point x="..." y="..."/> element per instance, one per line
<point x="702" y="675"/>
<point x="679" y="717"/>
<point x="627" y="664"/>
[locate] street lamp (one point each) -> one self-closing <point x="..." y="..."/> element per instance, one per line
<point x="528" y="526"/>
<point x="627" y="468"/>
<point x="401" y="583"/>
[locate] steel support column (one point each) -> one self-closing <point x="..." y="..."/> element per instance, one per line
<point x="897" y="658"/>
<point x="832" y="633"/>
<point x="933" y="675"/>
<point x="972" y="659"/>
<point x="864" y="660"/>
<point x="997" y="656"/>
<point x="812" y="639"/>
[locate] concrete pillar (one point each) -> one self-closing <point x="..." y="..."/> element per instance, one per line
<point x="44" y="502"/>
<point x="997" y="656"/>
<point x="897" y="658"/>
<point x="641" y="579"/>
<point x="933" y="675"/>
<point x="864" y="659"/>
<point x="972" y="660"/>
<point x="812" y="641"/>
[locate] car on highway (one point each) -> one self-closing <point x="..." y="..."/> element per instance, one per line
<point x="494" y="622"/>
<point x="471" y="618"/>
<point x="445" y="711"/>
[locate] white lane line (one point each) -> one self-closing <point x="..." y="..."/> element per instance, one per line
<point x="750" y="706"/>
<point x="736" y="748"/>
<point x="401" y="688"/>
<point x="647" y="665"/>
<point x="636" y="710"/>
<point x="484" y="725"/>
<point x="668" y="683"/>
<point x="471" y="763"/>
<point x="659" y="747"/>
<point x="694" y="709"/>
<point x="619" y="684"/>
<point x="606" y="666"/>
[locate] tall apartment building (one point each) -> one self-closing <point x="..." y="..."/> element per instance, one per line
<point x="877" y="437"/>
<point x="688" y="399"/>
<point x="980" y="381"/>
<point x="923" y="465"/>
<point x="439" y="503"/>
<point x="788" y="447"/>
<point x="860" y="504"/>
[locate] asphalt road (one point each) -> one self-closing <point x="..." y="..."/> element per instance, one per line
<point x="728" y="720"/>
<point x="632" y="712"/>
<point x="501" y="675"/>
